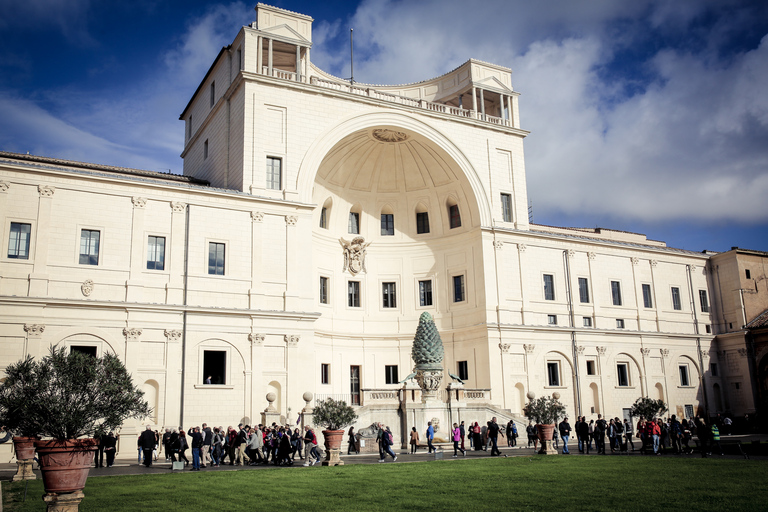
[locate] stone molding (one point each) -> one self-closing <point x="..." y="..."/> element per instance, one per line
<point x="173" y="335"/>
<point x="529" y="348"/>
<point x="654" y="263"/>
<point x="645" y="351"/>
<point x="742" y="352"/>
<point x="635" y="260"/>
<point x="46" y="190"/>
<point x="601" y="351"/>
<point x="498" y="245"/>
<point x="139" y="202"/>
<point x="256" y="338"/>
<point x="257" y="216"/>
<point x="580" y="349"/>
<point x="292" y="340"/>
<point x="34" y="329"/>
<point x="704" y="354"/>
<point x="521" y="247"/>
<point x="664" y="352"/>
<point x="505" y="347"/>
<point x="131" y="334"/>
<point x="178" y="207"/>
<point x="571" y="253"/>
<point x="4" y="186"/>
<point x="291" y="220"/>
<point x="591" y="255"/>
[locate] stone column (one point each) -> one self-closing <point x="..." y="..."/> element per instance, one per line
<point x="38" y="279"/>
<point x="269" y="57"/>
<point x="172" y="376"/>
<point x="255" y="294"/>
<point x="260" y="55"/>
<point x="482" y="104"/>
<point x="175" y="286"/>
<point x="257" y="343"/>
<point x="292" y="258"/>
<point x="298" y="63"/>
<point x="523" y="304"/>
<point x="474" y="101"/>
<point x="133" y="287"/>
<point x="34" y="339"/>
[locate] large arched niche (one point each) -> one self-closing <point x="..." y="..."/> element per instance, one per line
<point x="345" y="158"/>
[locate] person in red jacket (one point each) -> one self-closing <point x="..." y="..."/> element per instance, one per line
<point x="653" y="430"/>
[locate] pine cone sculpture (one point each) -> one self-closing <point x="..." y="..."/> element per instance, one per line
<point x="427" y="346"/>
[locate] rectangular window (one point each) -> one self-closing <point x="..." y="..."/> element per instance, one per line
<point x="583" y="290"/>
<point x="323" y="290"/>
<point x="506" y="207"/>
<point x="390" y="373"/>
<point x="458" y="288"/>
<point x="83" y="349"/>
<point x="216" y="258"/>
<point x="676" y="304"/>
<point x="274" y="173"/>
<point x="354" y="384"/>
<point x="619" y="323"/>
<point x="463" y="368"/>
<point x="325" y="373"/>
<point x="647" y="301"/>
<point x="553" y="373"/>
<point x="239" y="59"/>
<point x="689" y="411"/>
<point x="354" y="223"/>
<point x="353" y="294"/>
<point x="713" y="369"/>
<point x="683" y="368"/>
<point x="156" y="253"/>
<point x="587" y="321"/>
<point x="422" y="222"/>
<point x="708" y="328"/>
<point x="323" y="218"/>
<point x="552" y="319"/>
<point x="703" y="301"/>
<point x="213" y="93"/>
<point x="746" y="272"/>
<point x="549" y="287"/>
<point x="387" y="224"/>
<point x="425" y="293"/>
<point x="388" y="295"/>
<point x="591" y="367"/>
<point x="89" y="247"/>
<point x="205" y="149"/>
<point x="455" y="216"/>
<point x="622" y="373"/>
<point x="215" y="366"/>
<point x="616" y="293"/>
<point x="18" y="240"/>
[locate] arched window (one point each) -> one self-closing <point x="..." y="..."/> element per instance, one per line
<point x="422" y="219"/>
<point x="325" y="213"/>
<point x="454" y="216"/>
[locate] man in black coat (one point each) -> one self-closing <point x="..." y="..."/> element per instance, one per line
<point x="493" y="435"/>
<point x="197" y="444"/>
<point x="565" y="433"/>
<point x="110" y="443"/>
<point x="583" y="430"/>
<point x="147" y="444"/>
<point x="167" y="444"/>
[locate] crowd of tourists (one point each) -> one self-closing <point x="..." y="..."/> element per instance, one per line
<point x="215" y="446"/>
<point x="281" y="445"/>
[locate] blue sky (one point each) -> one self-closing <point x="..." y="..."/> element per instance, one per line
<point x="647" y="116"/>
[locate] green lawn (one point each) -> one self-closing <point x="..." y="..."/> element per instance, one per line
<point x="515" y="483"/>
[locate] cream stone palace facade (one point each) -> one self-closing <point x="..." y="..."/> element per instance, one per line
<point x="314" y="222"/>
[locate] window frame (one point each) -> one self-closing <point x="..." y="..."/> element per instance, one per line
<point x="325" y="373"/>
<point x="647" y="297"/>
<point x="214" y="346"/>
<point x="454" y="216"/>
<point x="620" y="324"/>
<point x="556" y="381"/>
<point x="356" y="217"/>
<point x="506" y="207"/>
<point x="461" y="280"/>
<point x="583" y="290"/>
<point x="99" y="244"/>
<point x="354" y="299"/>
<point x="389" y="295"/>
<point x="323" y="217"/>
<point x="28" y="248"/>
<point x="586" y="321"/>
<point x="684" y="374"/>
<point x="324" y="287"/>
<point x="205" y="150"/>
<point x="387" y="224"/>
<point x="677" y="302"/>
<point x="422" y="223"/>
<point x="627" y="375"/>
<point x="149" y="245"/>
<point x="703" y="301"/>
<point x="592" y="366"/>
<point x="551" y="319"/>
<point x="548" y="290"/>
<point x="217" y="243"/>
<point x="423" y="293"/>
<point x="391" y="374"/>
<point x="462" y="370"/>
<point x="616" y="298"/>
<point x="270" y="173"/>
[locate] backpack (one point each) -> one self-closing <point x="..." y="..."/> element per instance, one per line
<point x="619" y="428"/>
<point x="390" y="438"/>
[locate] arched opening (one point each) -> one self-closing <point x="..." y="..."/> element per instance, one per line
<point x="520" y="401"/>
<point x="659" y="391"/>
<point x="276" y="388"/>
<point x="152" y="395"/>
<point x="387" y="221"/>
<point x="422" y="219"/>
<point x="325" y="214"/>
<point x="594" y="397"/>
<point x="353" y="223"/>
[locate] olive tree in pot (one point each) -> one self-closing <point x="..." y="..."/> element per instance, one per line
<point x="66" y="399"/>
<point x="14" y="395"/>
<point x="648" y="408"/>
<point x="334" y="416"/>
<point x="545" y="412"/>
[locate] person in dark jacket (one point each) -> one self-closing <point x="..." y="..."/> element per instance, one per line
<point x="110" y="444"/>
<point x="583" y="430"/>
<point x="565" y="433"/>
<point x="197" y="445"/>
<point x="147" y="444"/>
<point x="493" y="435"/>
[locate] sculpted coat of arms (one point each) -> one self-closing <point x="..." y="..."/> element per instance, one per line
<point x="354" y="254"/>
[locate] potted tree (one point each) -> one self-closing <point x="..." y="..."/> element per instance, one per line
<point x="66" y="398"/>
<point x="545" y="412"/>
<point x="334" y="415"/>
<point x="648" y="408"/>
<point x="13" y="398"/>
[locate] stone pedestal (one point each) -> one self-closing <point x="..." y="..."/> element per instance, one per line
<point x="24" y="470"/>
<point x="65" y="502"/>
<point x="547" y="448"/>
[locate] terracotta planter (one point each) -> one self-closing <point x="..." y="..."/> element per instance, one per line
<point x="333" y="439"/>
<point x="545" y="436"/>
<point x="24" y="447"/>
<point x="65" y="464"/>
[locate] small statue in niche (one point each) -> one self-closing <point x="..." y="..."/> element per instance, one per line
<point x="354" y="254"/>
